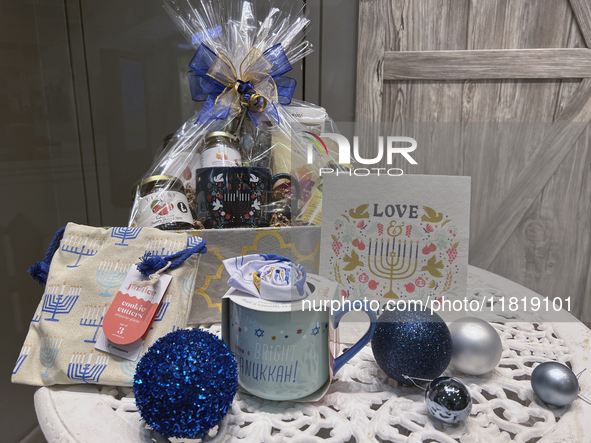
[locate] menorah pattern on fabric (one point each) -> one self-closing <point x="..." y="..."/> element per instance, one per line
<point x="128" y="368"/>
<point x="193" y="241"/>
<point x="181" y="319"/>
<point x="83" y="370"/>
<point x="164" y="246"/>
<point x="82" y="246"/>
<point x="392" y="263"/>
<point x="110" y="274"/>
<point x="163" y="307"/>
<point x="78" y="290"/>
<point x="49" y="350"/>
<point x="125" y="234"/>
<point x="93" y="317"/>
<point x="60" y="304"/>
<point x="38" y="311"/>
<point x="21" y="358"/>
<point x="189" y="282"/>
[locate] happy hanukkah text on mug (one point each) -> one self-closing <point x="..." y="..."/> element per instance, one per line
<point x="275" y="353"/>
<point x="263" y="372"/>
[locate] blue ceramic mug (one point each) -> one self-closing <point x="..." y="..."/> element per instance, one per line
<point x="279" y="359"/>
<point x="238" y="196"/>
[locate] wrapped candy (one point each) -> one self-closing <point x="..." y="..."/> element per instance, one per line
<point x="252" y="154"/>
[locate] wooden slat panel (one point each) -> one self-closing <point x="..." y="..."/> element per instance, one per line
<point x="532" y="233"/>
<point x="488" y="64"/>
<point x="582" y="11"/>
<point x="523" y="256"/>
<point x="443" y="27"/>
<point x="395" y="94"/>
<point x="557" y="249"/>
<point x="584" y="304"/>
<point x="496" y="155"/>
<point x="486" y="28"/>
<point x="560" y="238"/>
<point x="533" y="178"/>
<point x="370" y="54"/>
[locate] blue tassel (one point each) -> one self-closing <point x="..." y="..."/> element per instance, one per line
<point x="152" y="263"/>
<point x="40" y="270"/>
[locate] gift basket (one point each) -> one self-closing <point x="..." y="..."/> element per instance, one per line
<point x="251" y="157"/>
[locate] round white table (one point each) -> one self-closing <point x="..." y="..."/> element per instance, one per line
<point x="363" y="404"/>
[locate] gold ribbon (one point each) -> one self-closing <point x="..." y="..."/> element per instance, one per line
<point x="254" y="69"/>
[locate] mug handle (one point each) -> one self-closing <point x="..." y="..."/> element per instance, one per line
<point x="339" y="362"/>
<point x="294" y="182"/>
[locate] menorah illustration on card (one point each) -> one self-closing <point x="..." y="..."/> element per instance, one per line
<point x="57" y="302"/>
<point x="110" y="274"/>
<point x="21" y="358"/>
<point x="392" y="261"/>
<point x="50" y="347"/>
<point x="93" y="318"/>
<point x="124" y="234"/>
<point x="412" y="243"/>
<point x="82" y="368"/>
<point x="81" y="246"/>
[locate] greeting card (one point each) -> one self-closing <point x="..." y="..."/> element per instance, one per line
<point x="400" y="237"/>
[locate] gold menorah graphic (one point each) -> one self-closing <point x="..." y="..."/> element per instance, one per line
<point x="392" y="263"/>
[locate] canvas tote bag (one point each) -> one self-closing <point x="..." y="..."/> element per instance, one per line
<point x="82" y="272"/>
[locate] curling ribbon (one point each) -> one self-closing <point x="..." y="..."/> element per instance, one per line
<point x="257" y="87"/>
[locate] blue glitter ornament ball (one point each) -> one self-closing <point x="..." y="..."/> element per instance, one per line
<point x="185" y="383"/>
<point x="414" y="343"/>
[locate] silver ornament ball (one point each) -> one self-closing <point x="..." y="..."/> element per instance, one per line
<point x="448" y="400"/>
<point x="555" y="383"/>
<point x="477" y="346"/>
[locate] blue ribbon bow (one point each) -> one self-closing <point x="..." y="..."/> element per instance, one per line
<point x="258" y="86"/>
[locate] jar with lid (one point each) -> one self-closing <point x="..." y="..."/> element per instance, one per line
<point x="220" y="149"/>
<point x="160" y="202"/>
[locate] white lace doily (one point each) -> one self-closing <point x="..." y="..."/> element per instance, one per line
<point x="363" y="404"/>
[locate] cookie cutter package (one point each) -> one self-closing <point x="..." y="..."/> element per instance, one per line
<point x="252" y="156"/>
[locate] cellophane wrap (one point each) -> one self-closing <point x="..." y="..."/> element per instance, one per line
<point x="240" y="71"/>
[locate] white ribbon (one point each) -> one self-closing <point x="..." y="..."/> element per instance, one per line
<point x="267" y="276"/>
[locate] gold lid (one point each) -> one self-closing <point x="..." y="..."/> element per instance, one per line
<point x="221" y="134"/>
<point x="153" y="179"/>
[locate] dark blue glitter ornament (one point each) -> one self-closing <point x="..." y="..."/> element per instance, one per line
<point x="185" y="383"/>
<point x="412" y="343"/>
